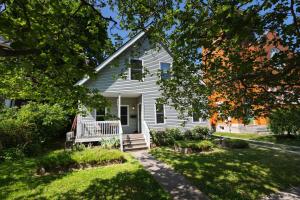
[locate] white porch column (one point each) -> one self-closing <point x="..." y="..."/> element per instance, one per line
<point x="119" y="106"/>
<point x="142" y="111"/>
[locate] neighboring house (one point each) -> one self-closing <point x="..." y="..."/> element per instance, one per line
<point x="134" y="100"/>
<point x="257" y="124"/>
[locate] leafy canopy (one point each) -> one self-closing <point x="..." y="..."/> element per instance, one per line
<point x="221" y="52"/>
<point x="48" y="46"/>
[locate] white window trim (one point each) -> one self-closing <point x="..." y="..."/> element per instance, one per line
<point x="156" y="116"/>
<point x="127" y="115"/>
<point x="105" y="112"/>
<point x="160" y="66"/>
<point x="129" y="68"/>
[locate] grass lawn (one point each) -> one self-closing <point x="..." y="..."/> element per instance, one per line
<point x="236" y="173"/>
<point x="264" y="137"/>
<point x="118" y="181"/>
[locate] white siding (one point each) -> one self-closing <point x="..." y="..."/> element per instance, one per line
<point x="106" y="81"/>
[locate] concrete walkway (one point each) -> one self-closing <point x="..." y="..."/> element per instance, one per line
<point x="292" y="194"/>
<point x="177" y="185"/>
<point x="269" y="145"/>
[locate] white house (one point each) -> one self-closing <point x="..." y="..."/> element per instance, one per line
<point x="134" y="101"/>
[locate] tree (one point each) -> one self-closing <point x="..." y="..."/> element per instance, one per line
<point x="50" y="45"/>
<point x="221" y="52"/>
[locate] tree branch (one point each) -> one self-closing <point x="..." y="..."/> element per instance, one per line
<point x="98" y="12"/>
<point x="294" y="17"/>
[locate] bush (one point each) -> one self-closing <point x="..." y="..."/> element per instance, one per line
<point x="50" y="120"/>
<point x="109" y="143"/>
<point x="285" y="121"/>
<point x="15" y="133"/>
<point x="161" y="138"/>
<point x="31" y="125"/>
<point x="204" y="145"/>
<point x="175" y="133"/>
<point x="14" y="153"/>
<point x="63" y="160"/>
<point x="197" y="133"/>
<point x="235" y="143"/>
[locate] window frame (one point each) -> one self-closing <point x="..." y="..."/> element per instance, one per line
<point x="160" y="62"/>
<point x="127" y="106"/>
<point x="156" y="113"/>
<point x="129" y="69"/>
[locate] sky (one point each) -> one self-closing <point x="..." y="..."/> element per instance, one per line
<point x="124" y="34"/>
<point x="107" y="12"/>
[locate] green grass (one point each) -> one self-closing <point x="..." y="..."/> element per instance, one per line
<point x="236" y="173"/>
<point x="118" y="181"/>
<point x="264" y="137"/>
<point x="94" y="156"/>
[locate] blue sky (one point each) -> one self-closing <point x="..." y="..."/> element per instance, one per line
<point x="124" y="34"/>
<point x="107" y="12"/>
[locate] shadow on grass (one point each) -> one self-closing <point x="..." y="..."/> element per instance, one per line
<point x="17" y="181"/>
<point x="125" y="185"/>
<point x="236" y="174"/>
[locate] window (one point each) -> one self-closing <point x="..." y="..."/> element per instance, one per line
<point x="160" y="113"/>
<point x="100" y="114"/>
<point x="124" y="115"/>
<point x="165" y="70"/>
<point x="196" y="117"/>
<point x="136" y="69"/>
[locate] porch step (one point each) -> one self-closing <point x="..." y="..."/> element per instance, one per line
<point x="135" y="148"/>
<point x="134" y="142"/>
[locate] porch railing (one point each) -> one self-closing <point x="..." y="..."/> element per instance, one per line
<point x="146" y="133"/>
<point x="89" y="130"/>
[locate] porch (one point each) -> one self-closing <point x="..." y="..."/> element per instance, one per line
<point x="124" y="117"/>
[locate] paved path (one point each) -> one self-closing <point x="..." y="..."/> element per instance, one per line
<point x="177" y="185"/>
<point x="270" y="145"/>
<point x="292" y="194"/>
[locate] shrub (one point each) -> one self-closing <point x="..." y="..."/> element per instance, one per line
<point x="203" y="145"/>
<point x="285" y="121"/>
<point x="161" y="138"/>
<point x="63" y="160"/>
<point x="50" y="120"/>
<point x="197" y="133"/>
<point x="109" y="143"/>
<point x="15" y="133"/>
<point x="175" y="133"/>
<point x="235" y="143"/>
<point x="13" y="153"/>
<point x="31" y="125"/>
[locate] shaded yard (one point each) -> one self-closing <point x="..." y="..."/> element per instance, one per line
<point x="236" y="174"/>
<point x="118" y="181"/>
<point x="277" y="139"/>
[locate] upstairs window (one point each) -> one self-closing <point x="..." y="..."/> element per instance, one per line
<point x="100" y="114"/>
<point x="160" y="113"/>
<point x="165" y="70"/>
<point x="136" y="69"/>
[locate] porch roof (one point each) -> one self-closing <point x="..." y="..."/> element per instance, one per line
<point x="122" y="94"/>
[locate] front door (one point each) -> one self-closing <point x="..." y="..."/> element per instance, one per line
<point x="139" y="118"/>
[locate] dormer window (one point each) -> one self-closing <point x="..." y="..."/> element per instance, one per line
<point x="136" y="69"/>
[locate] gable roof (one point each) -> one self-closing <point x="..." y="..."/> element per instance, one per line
<point x="128" y="44"/>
